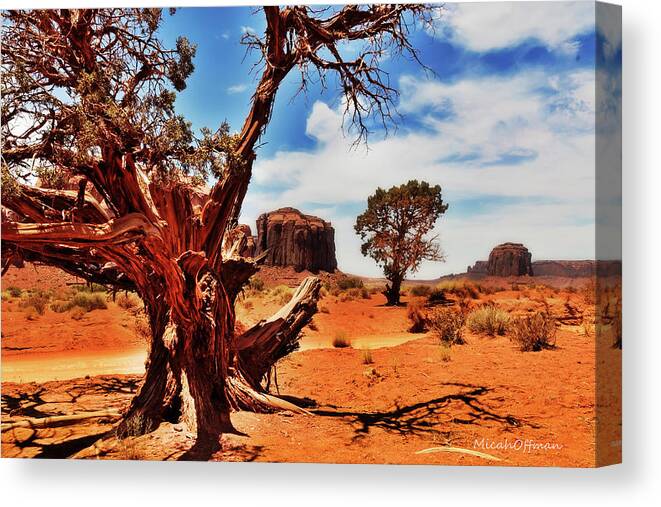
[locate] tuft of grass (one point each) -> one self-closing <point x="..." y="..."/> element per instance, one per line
<point x="128" y="449"/>
<point x="416" y="314"/>
<point x="282" y="294"/>
<point x="341" y="341"/>
<point x="436" y="296"/>
<point x="60" y="306"/>
<point x="90" y="287"/>
<point x="447" y="325"/>
<point x="313" y="326"/>
<point x="89" y="301"/>
<point x="350" y="282"/>
<point x="77" y="312"/>
<point x="444" y="353"/>
<point x="535" y="332"/>
<point x="36" y="300"/>
<point x="420" y="290"/>
<point x="367" y="357"/>
<point x="488" y="319"/>
<point x="347" y="296"/>
<point x="256" y="284"/>
<point x="460" y="288"/>
<point x="128" y="301"/>
<point x="31" y="313"/>
<point x="324" y="309"/>
<point x="14" y="291"/>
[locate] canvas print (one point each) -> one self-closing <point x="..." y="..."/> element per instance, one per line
<point x="375" y="233"/>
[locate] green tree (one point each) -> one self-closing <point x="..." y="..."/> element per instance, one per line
<point x="394" y="230"/>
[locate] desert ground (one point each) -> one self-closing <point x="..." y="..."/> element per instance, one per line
<point x="373" y="391"/>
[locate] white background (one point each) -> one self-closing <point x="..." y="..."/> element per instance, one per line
<point x="636" y="482"/>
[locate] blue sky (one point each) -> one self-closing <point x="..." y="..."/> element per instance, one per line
<point x="505" y="125"/>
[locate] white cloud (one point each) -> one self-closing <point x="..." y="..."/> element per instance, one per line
<point x="238" y="88"/>
<point x="495" y="25"/>
<point x="248" y="29"/>
<point x="534" y="143"/>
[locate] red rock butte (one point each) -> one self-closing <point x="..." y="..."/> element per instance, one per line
<point x="292" y="238"/>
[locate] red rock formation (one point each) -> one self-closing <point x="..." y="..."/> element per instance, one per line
<point x="569" y="269"/>
<point x="509" y="259"/>
<point x="577" y="269"/>
<point x="294" y="239"/>
<point x="480" y="267"/>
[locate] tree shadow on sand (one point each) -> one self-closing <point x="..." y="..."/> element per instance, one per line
<point x="43" y="442"/>
<point x="424" y="417"/>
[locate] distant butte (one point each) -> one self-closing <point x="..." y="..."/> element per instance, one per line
<point x="291" y="238"/>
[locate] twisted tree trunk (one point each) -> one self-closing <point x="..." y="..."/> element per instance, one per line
<point x="392" y="292"/>
<point x="198" y="372"/>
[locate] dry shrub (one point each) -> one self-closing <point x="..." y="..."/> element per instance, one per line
<point x="36" y="300"/>
<point x="128" y="301"/>
<point x="77" y="313"/>
<point x="31" y="313"/>
<point x="346" y="296"/>
<point x="14" y="291"/>
<point x="488" y="319"/>
<point x="415" y="312"/>
<point x="60" y="306"/>
<point x="350" y="282"/>
<point x="461" y="288"/>
<point x="284" y="299"/>
<point x="447" y="325"/>
<point x="89" y="301"/>
<point x="420" y="290"/>
<point x="535" y="332"/>
<point x="282" y="294"/>
<point x="444" y="353"/>
<point x="128" y="449"/>
<point x="367" y="357"/>
<point x="90" y="287"/>
<point x="256" y="284"/>
<point x="341" y="341"/>
<point x="437" y="296"/>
